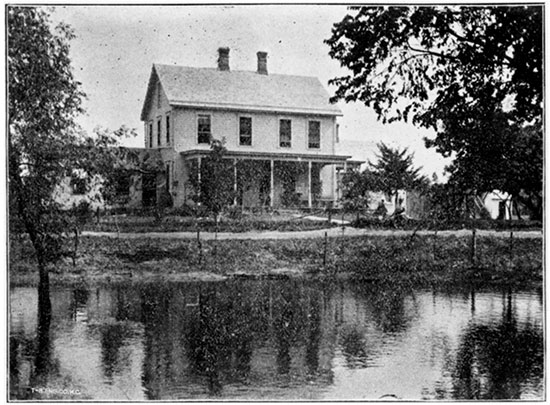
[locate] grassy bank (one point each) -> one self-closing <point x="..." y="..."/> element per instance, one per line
<point x="274" y="222"/>
<point x="422" y="260"/>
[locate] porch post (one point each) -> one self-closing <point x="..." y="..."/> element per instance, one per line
<point x="199" y="160"/>
<point x="309" y="184"/>
<point x="272" y="184"/>
<point x="235" y="182"/>
<point x="334" y="191"/>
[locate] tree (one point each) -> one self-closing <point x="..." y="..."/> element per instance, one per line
<point x="43" y="141"/>
<point x="45" y="144"/>
<point x="214" y="190"/>
<point x="355" y="190"/>
<point x="394" y="171"/>
<point x="469" y="73"/>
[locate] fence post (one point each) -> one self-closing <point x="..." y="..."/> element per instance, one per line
<point x="473" y="247"/>
<point x="511" y="246"/>
<point x="434" y="243"/>
<point x="325" y="253"/>
<point x="199" y="244"/>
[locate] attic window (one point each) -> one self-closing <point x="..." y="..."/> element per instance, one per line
<point x="204" y="133"/>
<point x="158" y="94"/>
<point x="285" y="133"/>
<point x="150" y="135"/>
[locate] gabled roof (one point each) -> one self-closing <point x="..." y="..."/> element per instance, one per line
<point x="240" y="90"/>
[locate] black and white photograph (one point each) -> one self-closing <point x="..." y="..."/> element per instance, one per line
<point x="274" y="202"/>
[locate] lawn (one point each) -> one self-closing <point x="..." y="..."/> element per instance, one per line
<point x="425" y="260"/>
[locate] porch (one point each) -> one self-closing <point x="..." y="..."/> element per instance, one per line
<point x="275" y="180"/>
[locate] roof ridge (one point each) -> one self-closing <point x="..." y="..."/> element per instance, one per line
<point x="234" y="71"/>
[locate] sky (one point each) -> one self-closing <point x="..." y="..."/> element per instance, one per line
<point x="116" y="46"/>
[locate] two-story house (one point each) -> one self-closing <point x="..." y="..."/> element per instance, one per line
<point x="275" y="121"/>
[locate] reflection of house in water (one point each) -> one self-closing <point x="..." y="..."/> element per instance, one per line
<point x="276" y="340"/>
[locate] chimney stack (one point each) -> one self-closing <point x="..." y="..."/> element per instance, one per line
<point x="262" y="62"/>
<point x="223" y="58"/>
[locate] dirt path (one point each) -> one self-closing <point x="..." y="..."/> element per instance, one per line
<point x="318" y="233"/>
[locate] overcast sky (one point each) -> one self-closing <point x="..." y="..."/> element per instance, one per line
<point x="115" y="47"/>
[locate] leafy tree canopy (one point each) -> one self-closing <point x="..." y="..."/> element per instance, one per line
<point x="45" y="144"/>
<point x="394" y="171"/>
<point x="215" y="188"/>
<point x="470" y="73"/>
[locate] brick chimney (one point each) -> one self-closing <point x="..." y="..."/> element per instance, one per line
<point x="223" y="58"/>
<point x="262" y="62"/>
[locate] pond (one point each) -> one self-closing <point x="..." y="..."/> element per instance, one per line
<point x="276" y="340"/>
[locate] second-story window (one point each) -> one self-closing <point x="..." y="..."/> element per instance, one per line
<point x="204" y="132"/>
<point x="285" y="133"/>
<point x="245" y="131"/>
<point x="159" y="132"/>
<point x="150" y="134"/>
<point x="168" y="135"/>
<point x="314" y="135"/>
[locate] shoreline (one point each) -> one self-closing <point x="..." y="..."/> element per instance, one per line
<point x="333" y="232"/>
<point x="389" y="257"/>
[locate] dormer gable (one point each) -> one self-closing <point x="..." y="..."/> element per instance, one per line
<point x="154" y="93"/>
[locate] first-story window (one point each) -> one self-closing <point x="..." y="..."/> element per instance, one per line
<point x="314" y="135"/>
<point x="204" y="133"/>
<point x="285" y="133"/>
<point x="169" y="177"/>
<point x="245" y="131"/>
<point x="150" y="134"/>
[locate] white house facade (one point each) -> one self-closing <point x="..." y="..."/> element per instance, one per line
<point x="271" y="119"/>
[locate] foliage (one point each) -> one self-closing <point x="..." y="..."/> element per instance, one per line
<point x="355" y="189"/>
<point x="214" y="189"/>
<point x="509" y="159"/>
<point x="44" y="145"/>
<point x="473" y="74"/>
<point x="289" y="173"/>
<point x="394" y="171"/>
<point x="252" y="174"/>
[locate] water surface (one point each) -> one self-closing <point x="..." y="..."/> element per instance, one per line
<point x="273" y="339"/>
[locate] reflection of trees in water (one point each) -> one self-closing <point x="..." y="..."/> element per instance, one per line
<point x="112" y="338"/>
<point x="496" y="361"/>
<point x="354" y="347"/>
<point x="314" y="336"/>
<point x="155" y="315"/>
<point x="38" y="348"/>
<point x="220" y="334"/>
<point x="78" y="301"/>
<point x="387" y="305"/>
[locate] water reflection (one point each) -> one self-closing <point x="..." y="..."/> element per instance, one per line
<point x="278" y="340"/>
<point x="496" y="361"/>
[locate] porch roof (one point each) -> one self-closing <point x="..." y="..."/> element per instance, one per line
<point x="249" y="155"/>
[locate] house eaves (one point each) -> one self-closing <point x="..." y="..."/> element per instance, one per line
<point x="254" y="108"/>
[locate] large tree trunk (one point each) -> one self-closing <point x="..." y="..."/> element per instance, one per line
<point x="43" y="352"/>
